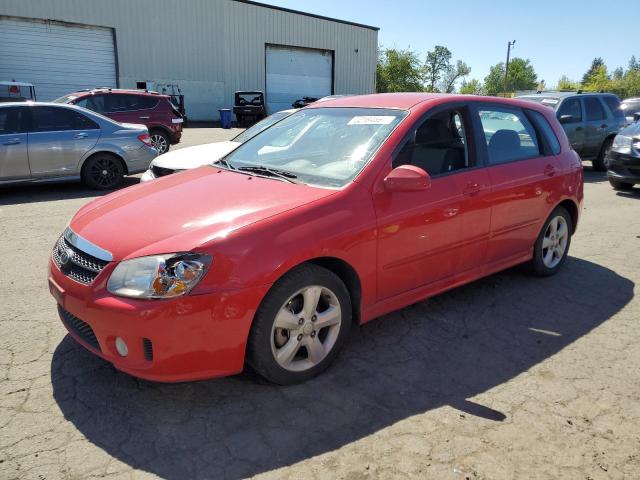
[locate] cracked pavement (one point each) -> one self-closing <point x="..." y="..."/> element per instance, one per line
<point x="509" y="377"/>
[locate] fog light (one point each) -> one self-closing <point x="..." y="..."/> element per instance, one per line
<point x="121" y="347"/>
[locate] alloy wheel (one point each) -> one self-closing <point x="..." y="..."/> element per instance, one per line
<point x="554" y="242"/>
<point x="306" y="328"/>
<point x="105" y="172"/>
<point x="159" y="142"/>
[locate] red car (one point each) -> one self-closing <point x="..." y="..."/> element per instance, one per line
<point x="161" y="117"/>
<point x="340" y="213"/>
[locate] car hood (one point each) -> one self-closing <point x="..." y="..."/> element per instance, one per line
<point x="193" y="157"/>
<point x="632" y="130"/>
<point x="184" y="211"/>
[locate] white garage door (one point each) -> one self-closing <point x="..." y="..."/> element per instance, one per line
<point x="293" y="73"/>
<point x="57" y="59"/>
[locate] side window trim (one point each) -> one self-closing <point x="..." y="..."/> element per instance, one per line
<point x="470" y="129"/>
<point x="542" y="137"/>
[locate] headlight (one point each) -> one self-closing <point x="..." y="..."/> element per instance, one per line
<point x="158" y="276"/>
<point x="621" y="142"/>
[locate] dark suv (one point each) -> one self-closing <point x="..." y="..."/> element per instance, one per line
<point x="156" y="111"/>
<point x="591" y="121"/>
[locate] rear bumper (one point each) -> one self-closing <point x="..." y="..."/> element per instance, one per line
<point x="623" y="167"/>
<point x="183" y="339"/>
<point x="138" y="159"/>
<point x="176" y="134"/>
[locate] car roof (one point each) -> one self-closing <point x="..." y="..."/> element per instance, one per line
<point x="561" y="95"/>
<point x="407" y="101"/>
<point x="129" y="91"/>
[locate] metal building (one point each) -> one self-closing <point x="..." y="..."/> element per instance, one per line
<point x="209" y="48"/>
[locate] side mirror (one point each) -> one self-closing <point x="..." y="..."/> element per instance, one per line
<point x="407" y="178"/>
<point x="636" y="116"/>
<point x="566" y="118"/>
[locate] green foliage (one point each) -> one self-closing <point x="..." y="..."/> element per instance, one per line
<point x="595" y="64"/>
<point x="435" y="67"/>
<point x="565" y="84"/>
<point x="598" y="80"/>
<point x="472" y="87"/>
<point x="623" y="83"/>
<point x="522" y="76"/>
<point x="452" y="74"/>
<point x="398" y="71"/>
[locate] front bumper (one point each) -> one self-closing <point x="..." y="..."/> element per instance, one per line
<point x="623" y="167"/>
<point x="147" y="176"/>
<point x="182" y="339"/>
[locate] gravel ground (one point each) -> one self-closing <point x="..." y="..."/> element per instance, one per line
<point x="509" y="377"/>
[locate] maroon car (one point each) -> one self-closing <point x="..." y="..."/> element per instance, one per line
<point x="156" y="111"/>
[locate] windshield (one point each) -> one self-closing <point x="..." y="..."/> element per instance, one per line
<point x="320" y="146"/>
<point x="65" y="99"/>
<point x="251" y="132"/>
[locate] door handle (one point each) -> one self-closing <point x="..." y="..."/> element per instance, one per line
<point x="144" y="118"/>
<point x="578" y="129"/>
<point x="471" y="188"/>
<point x="13" y="141"/>
<point x="82" y="135"/>
<point x="549" y="170"/>
<point x="451" y="212"/>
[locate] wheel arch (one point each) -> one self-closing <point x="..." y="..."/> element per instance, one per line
<point x="105" y="152"/>
<point x="572" y="208"/>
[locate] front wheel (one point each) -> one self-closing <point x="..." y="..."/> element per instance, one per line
<point x="552" y="245"/>
<point x="300" y="326"/>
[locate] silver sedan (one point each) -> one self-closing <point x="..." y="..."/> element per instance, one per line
<point x="46" y="141"/>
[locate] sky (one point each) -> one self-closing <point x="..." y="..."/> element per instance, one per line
<point x="560" y="37"/>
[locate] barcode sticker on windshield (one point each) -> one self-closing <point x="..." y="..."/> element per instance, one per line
<point x="371" y="120"/>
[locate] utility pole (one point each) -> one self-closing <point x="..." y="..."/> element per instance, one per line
<point x="506" y="67"/>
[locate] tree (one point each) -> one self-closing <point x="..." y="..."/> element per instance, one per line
<point x="618" y="74"/>
<point x="436" y="65"/>
<point x="472" y="87"/>
<point x="398" y="71"/>
<point x="595" y="64"/>
<point x="565" y="84"/>
<point x="599" y="80"/>
<point x="634" y="64"/>
<point x="452" y="74"/>
<point x="522" y="76"/>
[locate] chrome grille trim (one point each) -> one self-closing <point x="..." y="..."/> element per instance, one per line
<point x="86" y="246"/>
<point x="79" y="266"/>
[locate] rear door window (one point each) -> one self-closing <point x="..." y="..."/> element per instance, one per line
<point x="614" y="105"/>
<point x="571" y="106"/>
<point x="593" y="108"/>
<point x="53" y="119"/>
<point x="508" y="134"/>
<point x="94" y="102"/>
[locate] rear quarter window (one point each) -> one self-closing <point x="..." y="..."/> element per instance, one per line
<point x="549" y="138"/>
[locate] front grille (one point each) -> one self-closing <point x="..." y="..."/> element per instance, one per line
<point x="80" y="328"/>
<point x="80" y="266"/>
<point x="161" y="171"/>
<point x="148" y="349"/>
<point x="635" y="171"/>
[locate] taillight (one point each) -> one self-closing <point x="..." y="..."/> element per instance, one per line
<point x="145" y="138"/>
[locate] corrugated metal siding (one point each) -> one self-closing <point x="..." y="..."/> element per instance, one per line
<point x="56" y="58"/>
<point x="210" y="47"/>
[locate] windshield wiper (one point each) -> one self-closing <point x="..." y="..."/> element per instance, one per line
<point x="225" y="163"/>
<point x="273" y="172"/>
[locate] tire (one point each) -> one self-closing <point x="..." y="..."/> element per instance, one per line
<point x="286" y="355"/>
<point x="600" y="164"/>
<point x="103" y="172"/>
<point x="621" y="186"/>
<point x="160" y="141"/>
<point x="546" y="262"/>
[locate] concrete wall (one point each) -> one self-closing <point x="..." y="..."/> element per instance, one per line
<point x="210" y="47"/>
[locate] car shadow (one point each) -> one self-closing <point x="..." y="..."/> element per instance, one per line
<point x="634" y="193"/>
<point x="46" y="192"/>
<point x="438" y="352"/>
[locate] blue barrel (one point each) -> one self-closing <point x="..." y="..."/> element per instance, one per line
<point x="225" y="117"/>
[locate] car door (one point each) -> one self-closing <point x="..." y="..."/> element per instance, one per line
<point x="522" y="180"/>
<point x="58" y="140"/>
<point x="14" y="160"/>
<point x="596" y="126"/>
<point x="428" y="236"/>
<point x="571" y="117"/>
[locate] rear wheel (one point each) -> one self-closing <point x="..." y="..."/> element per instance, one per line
<point x="552" y="246"/>
<point x="103" y="172"/>
<point x="300" y="326"/>
<point x="160" y="141"/>
<point x="601" y="163"/>
<point x="618" y="185"/>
